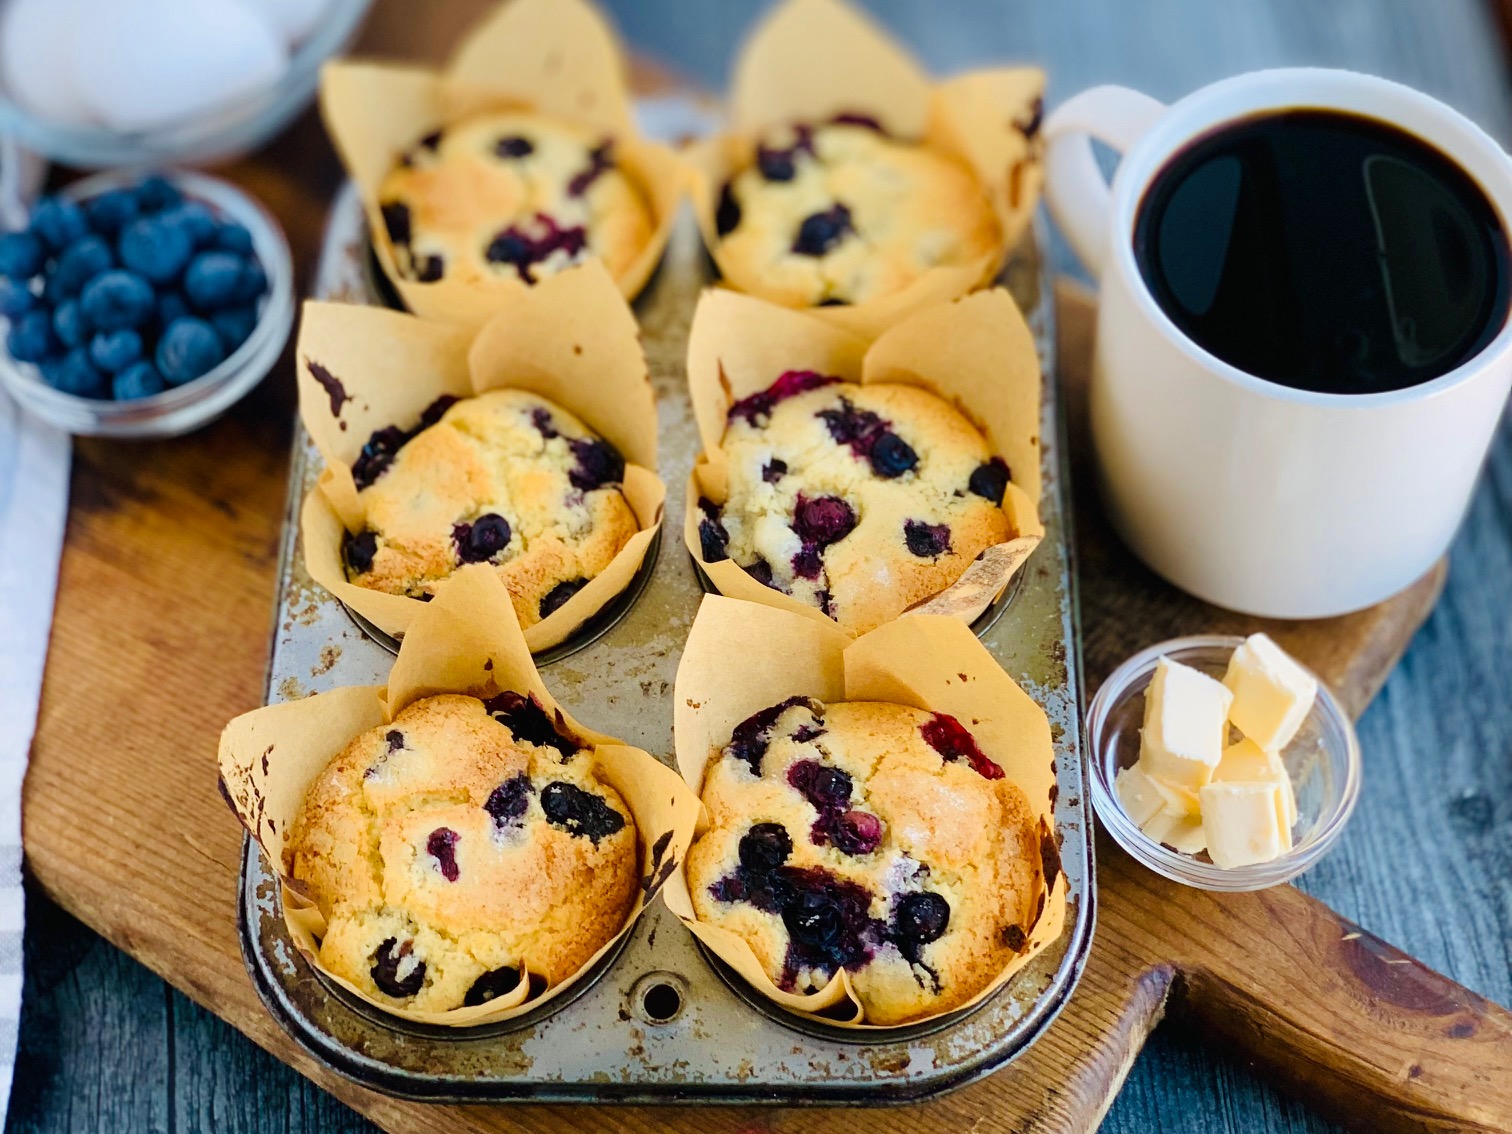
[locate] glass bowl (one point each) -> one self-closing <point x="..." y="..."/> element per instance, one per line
<point x="178" y="409"/>
<point x="221" y="134"/>
<point x="1323" y="761"/>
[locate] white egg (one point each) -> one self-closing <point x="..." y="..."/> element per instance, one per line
<point x="293" y="20"/>
<point x="36" y="39"/>
<point x="150" y="63"/>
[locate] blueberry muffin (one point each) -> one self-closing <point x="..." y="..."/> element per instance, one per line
<point x="465" y="843"/>
<point x="871" y="837"/>
<point x="506" y="478"/>
<point x="842" y="213"/>
<point x="511" y="195"/>
<point x="859" y="500"/>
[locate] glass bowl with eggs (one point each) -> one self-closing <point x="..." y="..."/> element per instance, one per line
<point x="103" y="83"/>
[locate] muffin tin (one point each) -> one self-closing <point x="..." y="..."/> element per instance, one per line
<point x="662" y="1022"/>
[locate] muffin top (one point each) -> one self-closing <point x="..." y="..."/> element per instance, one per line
<point x="842" y="213"/>
<point x="869" y="836"/>
<point x="459" y="846"/>
<point x="507" y="478"/>
<point x="859" y="500"/>
<point x="511" y="195"/>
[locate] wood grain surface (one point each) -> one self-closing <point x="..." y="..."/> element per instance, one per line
<point x="161" y="635"/>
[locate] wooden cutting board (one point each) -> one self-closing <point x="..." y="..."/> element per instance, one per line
<point x="161" y="635"/>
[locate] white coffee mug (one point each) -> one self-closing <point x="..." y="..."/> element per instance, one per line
<point x="1259" y="497"/>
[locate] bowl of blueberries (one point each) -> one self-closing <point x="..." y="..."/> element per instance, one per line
<point x="142" y="305"/>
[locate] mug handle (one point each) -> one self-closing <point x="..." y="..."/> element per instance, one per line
<point x="1075" y="188"/>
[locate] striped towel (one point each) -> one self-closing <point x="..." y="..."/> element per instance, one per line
<point x="33" y="508"/>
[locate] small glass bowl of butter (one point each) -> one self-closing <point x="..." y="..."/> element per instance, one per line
<point x="1271" y="797"/>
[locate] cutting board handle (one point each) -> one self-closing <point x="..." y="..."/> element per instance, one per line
<point x="1352" y="1025"/>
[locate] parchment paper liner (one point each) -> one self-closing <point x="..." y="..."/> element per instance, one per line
<point x="571" y="339"/>
<point x="740" y="658"/>
<point x="809" y="60"/>
<point x="976" y="353"/>
<point x="465" y="641"/>
<point x="558" y="58"/>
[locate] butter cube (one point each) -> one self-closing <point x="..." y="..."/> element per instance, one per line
<point x="1242" y="823"/>
<point x="1272" y="693"/>
<point x="1185" y="725"/>
<point x="1183" y="834"/>
<point x="1245" y="761"/>
<point x="1178" y="801"/>
<point x="1137" y="795"/>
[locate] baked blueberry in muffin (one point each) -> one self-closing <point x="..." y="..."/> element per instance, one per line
<point x="462" y="848"/>
<point x="859" y="500"/>
<point x="871" y="837"/>
<point x="505" y="478"/>
<point x="514" y="195"/>
<point x="839" y="212"/>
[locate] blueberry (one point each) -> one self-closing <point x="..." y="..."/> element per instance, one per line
<point x="139" y="380"/>
<point x="765" y="847"/>
<point x="823" y="519"/>
<point x="189" y="347"/>
<point x="31" y="338"/>
<point x="15" y="297"/>
<point x="111" y="209"/>
<point x="712" y="536"/>
<point x="598" y="464"/>
<point x="827" y="788"/>
<point x="510" y="799"/>
<point x="396" y="221"/>
<point x="156" y="249"/>
<point x="814" y="920"/>
<point x="156" y="193"/>
<point x="756" y="408"/>
<point x="75" y="374"/>
<point x="918" y="919"/>
<point x="234" y="325"/>
<point x="116" y="300"/>
<point x="22" y="255"/>
<point x="951" y="739"/>
<point x="926" y="540"/>
<point x="481" y="540"/>
<point x="750" y="738"/>
<point x="58" y="222"/>
<point x="442" y="846"/>
<point x="557" y="597"/>
<point x="358" y="551"/>
<point x="528" y="723"/>
<point x="774" y="470"/>
<point x="212" y="279"/>
<point x="170" y="306"/>
<point x="428" y="269"/>
<point x="990" y="481"/>
<point x="80" y="262"/>
<point x="253" y="281"/>
<point x="389" y="961"/>
<point x="233" y="237"/>
<point x="491" y="985"/>
<point x="579" y="812"/>
<point x="69" y="323"/>
<point x="196" y="221"/>
<point x="820" y="232"/>
<point x="807" y="562"/>
<point x="891" y="456"/>
<point x="727" y="214"/>
<point x="113" y="351"/>
<point x="856" y="832"/>
<point x="514" y="147"/>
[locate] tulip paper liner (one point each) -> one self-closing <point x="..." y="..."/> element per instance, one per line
<point x="466" y="641"/>
<point x="571" y="339"/>
<point x="557" y="58"/>
<point x="741" y="658"/>
<point x="810" y="60"/>
<point x="976" y="353"/>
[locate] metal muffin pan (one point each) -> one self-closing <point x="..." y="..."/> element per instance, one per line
<point x="663" y="1022"/>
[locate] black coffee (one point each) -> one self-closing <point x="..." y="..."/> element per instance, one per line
<point x="1325" y="251"/>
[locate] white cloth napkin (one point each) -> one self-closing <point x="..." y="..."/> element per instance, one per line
<point x="34" y="465"/>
